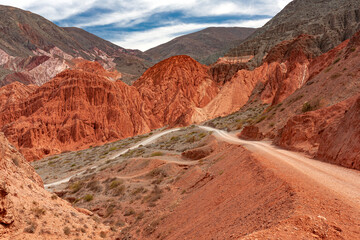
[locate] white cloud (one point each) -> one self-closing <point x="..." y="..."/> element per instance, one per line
<point x="147" y="39"/>
<point x="131" y="11"/>
<point x="127" y="14"/>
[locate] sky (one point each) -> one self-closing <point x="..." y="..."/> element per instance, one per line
<point x="143" y="24"/>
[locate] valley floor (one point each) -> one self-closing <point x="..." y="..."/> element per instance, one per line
<point x="232" y="189"/>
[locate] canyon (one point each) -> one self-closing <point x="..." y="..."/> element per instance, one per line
<point x="263" y="143"/>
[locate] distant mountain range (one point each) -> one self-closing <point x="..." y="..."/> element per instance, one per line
<point x="29" y="44"/>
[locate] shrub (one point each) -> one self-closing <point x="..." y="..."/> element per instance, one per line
<point x="335" y="76"/>
<point x="129" y="212"/>
<point x="155" y="154"/>
<point x="307" y="106"/>
<point x="336" y="61"/>
<point x="88" y="197"/>
<point x="75" y="187"/>
<point x="31" y="228"/>
<point x="115" y="183"/>
<point x="38" y="212"/>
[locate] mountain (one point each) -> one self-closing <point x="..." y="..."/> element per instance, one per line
<point x="205" y="46"/>
<point x="33" y="49"/>
<point x="175" y="88"/>
<point x="331" y="22"/>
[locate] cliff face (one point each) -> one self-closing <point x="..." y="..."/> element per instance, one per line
<point x="27" y="211"/>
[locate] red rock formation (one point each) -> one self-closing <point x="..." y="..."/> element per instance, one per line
<point x="284" y="70"/>
<point x="74" y="110"/>
<point x="27" y="211"/>
<point x="341" y="145"/>
<point x="81" y="107"/>
<point x="174" y="87"/>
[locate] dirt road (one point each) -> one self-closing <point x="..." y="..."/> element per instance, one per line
<point x="143" y="143"/>
<point x="342" y="181"/>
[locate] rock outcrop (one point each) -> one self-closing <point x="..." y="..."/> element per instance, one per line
<point x="251" y="133"/>
<point x="13" y="93"/>
<point x="27" y="211"/>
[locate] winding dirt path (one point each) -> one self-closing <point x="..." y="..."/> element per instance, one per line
<point x="342" y="181"/>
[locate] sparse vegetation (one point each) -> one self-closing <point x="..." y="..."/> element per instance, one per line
<point x="115" y="183"/>
<point x="31" y="228"/>
<point x="336" y="61"/>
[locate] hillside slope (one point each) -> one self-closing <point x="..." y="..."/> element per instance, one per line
<point x="205" y="46"/>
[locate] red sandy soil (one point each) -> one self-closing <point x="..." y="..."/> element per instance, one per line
<point x="234" y="194"/>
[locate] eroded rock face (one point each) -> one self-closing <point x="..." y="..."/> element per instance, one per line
<point x="77" y="108"/>
<point x="85" y="106"/>
<point x="284" y="70"/>
<point x="174" y="87"/>
<point x="27" y="211"/>
<point x="340" y="145"/>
